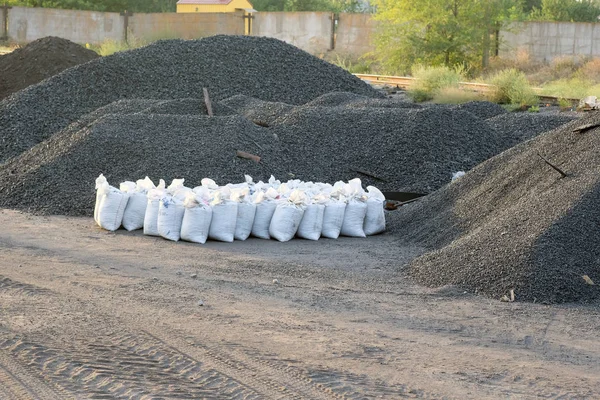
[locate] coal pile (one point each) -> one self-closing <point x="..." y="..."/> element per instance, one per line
<point x="344" y="99"/>
<point x="39" y="60"/>
<point x="263" y="113"/>
<point x="400" y="149"/>
<point x="482" y="109"/>
<point x="513" y="223"/>
<point x="519" y="127"/>
<point x="264" y="68"/>
<point x="55" y="176"/>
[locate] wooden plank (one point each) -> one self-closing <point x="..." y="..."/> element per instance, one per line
<point x="208" y="103"/>
<point x="247" y="156"/>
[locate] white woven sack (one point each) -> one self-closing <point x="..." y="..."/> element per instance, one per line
<point x="245" y="220"/>
<point x="111" y="209"/>
<point x="224" y="217"/>
<point x="151" y="218"/>
<point x="354" y="219"/>
<point x="262" y="219"/>
<point x="100" y="183"/>
<point x="333" y="218"/>
<point x="170" y="217"/>
<point x="375" y="216"/>
<point x="196" y="224"/>
<point x="285" y="222"/>
<point x="135" y="212"/>
<point x="133" y="218"/>
<point x="312" y="222"/>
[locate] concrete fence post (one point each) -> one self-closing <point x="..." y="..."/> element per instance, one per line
<point x="334" y="21"/>
<point x="4" y="33"/>
<point x="126" y="14"/>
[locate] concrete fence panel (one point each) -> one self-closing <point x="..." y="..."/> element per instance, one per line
<point x="355" y="34"/>
<point x="185" y="26"/>
<point x="310" y="31"/>
<point x="28" y="24"/>
<point x="547" y="40"/>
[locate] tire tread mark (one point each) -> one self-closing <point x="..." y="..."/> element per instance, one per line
<point x="30" y="387"/>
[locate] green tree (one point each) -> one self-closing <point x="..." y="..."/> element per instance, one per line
<point x="567" y="10"/>
<point x="438" y="32"/>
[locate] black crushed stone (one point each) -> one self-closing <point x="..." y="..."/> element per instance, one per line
<point x="482" y="109"/>
<point x="519" y="127"/>
<point x="56" y="176"/>
<point x="512" y="223"/>
<point x="264" y="68"/>
<point x="39" y="60"/>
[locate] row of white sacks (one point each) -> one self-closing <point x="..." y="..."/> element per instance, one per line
<point x="275" y="210"/>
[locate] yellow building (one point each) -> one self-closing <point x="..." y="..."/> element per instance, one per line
<point x="213" y="6"/>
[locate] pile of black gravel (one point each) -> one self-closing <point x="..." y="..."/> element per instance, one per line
<point x="39" y="60"/>
<point x="263" y="113"/>
<point x="264" y="68"/>
<point x="519" y="127"/>
<point x="512" y="223"/>
<point x="482" y="109"/>
<point x="397" y="149"/>
<point x="56" y="176"/>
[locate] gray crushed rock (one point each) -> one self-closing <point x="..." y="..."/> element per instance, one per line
<point x="512" y="223"/>
<point x="265" y="68"/>
<point x="519" y="127"/>
<point x="56" y="176"/>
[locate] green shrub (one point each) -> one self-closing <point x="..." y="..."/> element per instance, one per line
<point x="512" y="87"/>
<point x="354" y="65"/>
<point x="430" y="80"/>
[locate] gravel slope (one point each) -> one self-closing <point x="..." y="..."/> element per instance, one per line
<point x="513" y="223"/>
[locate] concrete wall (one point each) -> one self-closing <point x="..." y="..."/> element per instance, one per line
<point x="547" y="40"/>
<point x="28" y="24"/>
<point x="311" y="31"/>
<point x="355" y="34"/>
<point x="185" y="26"/>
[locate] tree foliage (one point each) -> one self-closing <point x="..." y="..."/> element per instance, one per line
<point x="101" y="5"/>
<point x="438" y="32"/>
<point x="567" y="10"/>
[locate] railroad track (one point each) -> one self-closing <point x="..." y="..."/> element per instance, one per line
<point x="405" y="82"/>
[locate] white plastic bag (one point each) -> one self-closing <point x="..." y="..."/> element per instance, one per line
<point x="245" y="213"/>
<point x="224" y="217"/>
<point x="375" y="216"/>
<point x="333" y="218"/>
<point x="196" y="219"/>
<point x="100" y="183"/>
<point x="287" y="216"/>
<point x="135" y="212"/>
<point x="354" y="219"/>
<point x="265" y="208"/>
<point x="312" y="221"/>
<point x="112" y="206"/>
<point x="170" y="217"/>
<point x="151" y="216"/>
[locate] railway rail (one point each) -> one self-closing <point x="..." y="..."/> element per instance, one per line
<point x="405" y="82"/>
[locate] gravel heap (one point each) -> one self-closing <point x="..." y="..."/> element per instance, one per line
<point x="340" y="99"/>
<point x="482" y="109"/>
<point x="414" y="150"/>
<point x="265" y="68"/>
<point x="513" y="223"/>
<point x="261" y="112"/>
<point x="56" y="176"/>
<point x="519" y="127"/>
<point x="39" y="60"/>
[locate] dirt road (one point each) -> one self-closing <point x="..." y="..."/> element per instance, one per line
<point x="87" y="314"/>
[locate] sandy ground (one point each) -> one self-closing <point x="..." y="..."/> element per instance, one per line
<point x="88" y="314"/>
